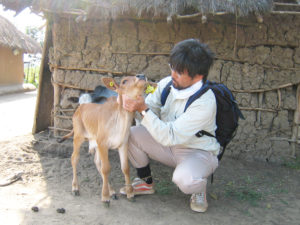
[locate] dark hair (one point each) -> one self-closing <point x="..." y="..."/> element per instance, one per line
<point x="193" y="56"/>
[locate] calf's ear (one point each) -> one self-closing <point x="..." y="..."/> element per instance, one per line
<point x="110" y="83"/>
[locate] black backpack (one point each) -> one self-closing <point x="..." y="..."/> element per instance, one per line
<point x="228" y="112"/>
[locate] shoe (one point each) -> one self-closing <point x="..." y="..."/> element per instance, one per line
<point x="140" y="187"/>
<point x="198" y="202"/>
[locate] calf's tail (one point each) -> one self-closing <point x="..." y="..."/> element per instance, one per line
<point x="65" y="137"/>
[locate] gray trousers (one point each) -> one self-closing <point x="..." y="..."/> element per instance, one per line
<point x="192" y="166"/>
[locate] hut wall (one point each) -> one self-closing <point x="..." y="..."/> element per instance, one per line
<point x="11" y="67"/>
<point x="259" y="62"/>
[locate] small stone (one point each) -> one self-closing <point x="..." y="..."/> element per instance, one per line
<point x="35" y="209"/>
<point x="61" y="210"/>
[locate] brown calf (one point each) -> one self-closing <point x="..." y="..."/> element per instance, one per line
<point x="107" y="127"/>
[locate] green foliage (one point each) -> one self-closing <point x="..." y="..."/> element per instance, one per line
<point x="32" y="75"/>
<point x="36" y="33"/>
<point x="165" y="187"/>
<point x="244" y="193"/>
<point x="293" y="164"/>
<point x="246" y="190"/>
<point x="249" y="189"/>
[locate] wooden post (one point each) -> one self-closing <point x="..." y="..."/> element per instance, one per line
<point x="44" y="101"/>
<point x="295" y="133"/>
<point x="56" y="87"/>
<point x="56" y="100"/>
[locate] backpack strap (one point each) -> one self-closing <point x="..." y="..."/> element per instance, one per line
<point x="197" y="95"/>
<point x="165" y="93"/>
<point x="201" y="133"/>
<point x="220" y="155"/>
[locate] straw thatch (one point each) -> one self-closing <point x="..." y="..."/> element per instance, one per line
<point x="156" y="8"/>
<point x="12" y="38"/>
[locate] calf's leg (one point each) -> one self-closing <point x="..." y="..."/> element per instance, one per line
<point x="74" y="160"/>
<point x="97" y="162"/>
<point x="125" y="169"/>
<point x="105" y="169"/>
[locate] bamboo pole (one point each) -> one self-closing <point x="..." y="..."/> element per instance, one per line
<point x="279" y="98"/>
<point x="267" y="89"/>
<point x="198" y="14"/>
<point x="260" y="103"/>
<point x="90" y="69"/>
<point x="296" y="123"/>
<point x="71" y="86"/>
<point x="64" y="117"/>
<point x="295" y="142"/>
<point x="56" y="100"/>
<point x="66" y="110"/>
<point x="286" y="4"/>
<point x="59" y="129"/>
<point x="142" y="53"/>
<point x="257" y="109"/>
<point x="286" y="12"/>
<point x="56" y="87"/>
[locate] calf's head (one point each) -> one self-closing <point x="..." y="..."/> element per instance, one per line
<point x="131" y="86"/>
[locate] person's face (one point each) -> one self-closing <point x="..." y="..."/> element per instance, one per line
<point x="183" y="80"/>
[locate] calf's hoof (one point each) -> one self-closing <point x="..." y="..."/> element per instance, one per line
<point x="106" y="204"/>
<point x="131" y="199"/>
<point x="114" y="197"/>
<point x="130" y="194"/>
<point x="76" y="193"/>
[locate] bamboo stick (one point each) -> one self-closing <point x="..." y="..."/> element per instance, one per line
<point x="90" y="69"/>
<point x="286" y="12"/>
<point x="56" y="100"/>
<point x="267" y="89"/>
<point x="71" y="86"/>
<point x="56" y="87"/>
<point x="73" y="12"/>
<point x="262" y="65"/>
<point x="257" y="109"/>
<point x="66" y="110"/>
<point x="198" y="14"/>
<point x="296" y="122"/>
<point x="59" y="129"/>
<point x="188" y="16"/>
<point x="142" y="53"/>
<point x="286" y="4"/>
<point x="64" y="117"/>
<point x="285" y="139"/>
<point x="279" y="98"/>
<point x="260" y="102"/>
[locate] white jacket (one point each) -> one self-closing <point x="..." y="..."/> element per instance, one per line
<point x="169" y="125"/>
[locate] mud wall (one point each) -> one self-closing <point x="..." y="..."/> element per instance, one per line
<point x="11" y="67"/>
<point x="259" y="62"/>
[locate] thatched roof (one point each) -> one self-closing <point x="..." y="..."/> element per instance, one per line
<point x="155" y="8"/>
<point x="11" y="37"/>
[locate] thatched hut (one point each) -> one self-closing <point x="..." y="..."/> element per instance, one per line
<point x="257" y="56"/>
<point x="13" y="43"/>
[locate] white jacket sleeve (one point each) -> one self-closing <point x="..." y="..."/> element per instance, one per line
<point x="199" y="115"/>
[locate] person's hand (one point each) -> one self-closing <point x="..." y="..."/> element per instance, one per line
<point x="133" y="105"/>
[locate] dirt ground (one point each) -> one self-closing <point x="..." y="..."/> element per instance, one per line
<point x="242" y="192"/>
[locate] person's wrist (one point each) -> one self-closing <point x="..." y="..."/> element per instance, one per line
<point x="142" y="107"/>
<point x="143" y="112"/>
